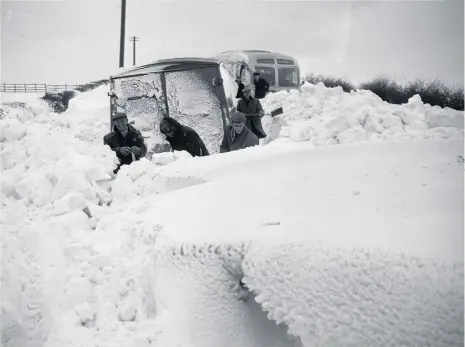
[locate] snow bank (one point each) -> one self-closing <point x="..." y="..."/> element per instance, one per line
<point x="329" y="116"/>
<point x="53" y="176"/>
<point x="155" y="256"/>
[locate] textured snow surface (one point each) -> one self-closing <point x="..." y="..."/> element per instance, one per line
<point x="348" y="245"/>
<point x="358" y="296"/>
<point x="328" y="116"/>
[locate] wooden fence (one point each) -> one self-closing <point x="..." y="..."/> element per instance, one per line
<point x="34" y="87"/>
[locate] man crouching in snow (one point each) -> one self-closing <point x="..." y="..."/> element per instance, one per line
<point x="182" y="138"/>
<point x="237" y="136"/>
<point x="125" y="141"/>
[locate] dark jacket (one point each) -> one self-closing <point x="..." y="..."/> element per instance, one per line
<point x="186" y="139"/>
<point x="133" y="138"/>
<point x="254" y="122"/>
<point x="261" y="88"/>
<point x="233" y="143"/>
<point x="241" y="87"/>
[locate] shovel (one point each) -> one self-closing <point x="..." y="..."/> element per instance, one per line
<point x="273" y="113"/>
<point x="277" y="112"/>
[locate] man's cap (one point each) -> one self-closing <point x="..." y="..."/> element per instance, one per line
<point x="238" y="117"/>
<point x="119" y="115"/>
<point x="256" y="73"/>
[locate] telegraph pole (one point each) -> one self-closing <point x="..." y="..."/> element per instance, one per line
<point x="134" y="39"/>
<point x="122" y="33"/>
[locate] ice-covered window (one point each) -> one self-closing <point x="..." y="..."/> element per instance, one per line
<point x="288" y="77"/>
<point x="193" y="101"/>
<point x="268" y="73"/>
<point x="229" y="85"/>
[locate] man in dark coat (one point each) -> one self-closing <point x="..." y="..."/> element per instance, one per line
<point x="125" y="141"/>
<point x="182" y="138"/>
<point x="253" y="110"/>
<point x="237" y="136"/>
<point x="261" y="86"/>
<point x="240" y="88"/>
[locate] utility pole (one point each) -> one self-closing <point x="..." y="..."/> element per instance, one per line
<point x="122" y="33"/>
<point x="134" y="39"/>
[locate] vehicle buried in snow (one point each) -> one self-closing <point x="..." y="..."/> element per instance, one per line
<point x="281" y="71"/>
<point x="197" y="92"/>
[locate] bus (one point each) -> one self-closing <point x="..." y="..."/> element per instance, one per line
<point x="197" y="92"/>
<point x="281" y="71"/>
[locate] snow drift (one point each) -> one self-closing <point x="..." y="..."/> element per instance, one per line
<point x="328" y="116"/>
<point x="345" y="245"/>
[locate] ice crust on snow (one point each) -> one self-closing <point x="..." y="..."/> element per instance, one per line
<point x="91" y="260"/>
<point x="350" y="297"/>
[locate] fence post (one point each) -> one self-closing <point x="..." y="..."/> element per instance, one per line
<point x="25" y="87"/>
<point x="35" y="87"/>
<point x="45" y="87"/>
<point x="14" y="86"/>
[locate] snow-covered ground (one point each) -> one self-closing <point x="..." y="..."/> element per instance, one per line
<point x="357" y="242"/>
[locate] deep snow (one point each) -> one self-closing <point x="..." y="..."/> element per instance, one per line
<point x="345" y="245"/>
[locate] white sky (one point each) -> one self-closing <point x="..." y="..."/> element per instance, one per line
<point x="75" y="41"/>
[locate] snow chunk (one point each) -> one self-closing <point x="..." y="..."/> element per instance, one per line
<point x="12" y="130"/>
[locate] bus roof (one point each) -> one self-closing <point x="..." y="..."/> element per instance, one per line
<point x="166" y="65"/>
<point x="248" y="55"/>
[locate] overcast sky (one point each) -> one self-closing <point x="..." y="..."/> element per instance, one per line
<point x="74" y="41"/>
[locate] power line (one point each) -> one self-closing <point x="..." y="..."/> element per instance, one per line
<point x="134" y="39"/>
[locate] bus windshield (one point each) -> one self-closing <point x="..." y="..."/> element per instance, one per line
<point x="288" y="77"/>
<point x="268" y="73"/>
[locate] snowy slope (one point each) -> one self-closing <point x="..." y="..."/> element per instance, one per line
<point x="77" y="270"/>
<point x="338" y="257"/>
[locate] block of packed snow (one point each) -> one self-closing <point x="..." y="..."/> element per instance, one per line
<point x="128" y="310"/>
<point x="354" y="134"/>
<point x="78" y="290"/>
<point x="415" y="102"/>
<point x="85" y="312"/>
<point x="437" y="117"/>
<point x="12" y="130"/>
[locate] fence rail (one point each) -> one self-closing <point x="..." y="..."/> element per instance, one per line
<point x="34" y="87"/>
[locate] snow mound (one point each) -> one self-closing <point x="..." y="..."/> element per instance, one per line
<point x="328" y="116"/>
<point x="45" y="155"/>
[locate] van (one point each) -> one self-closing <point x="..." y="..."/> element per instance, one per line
<point x="281" y="71"/>
<point x="197" y="92"/>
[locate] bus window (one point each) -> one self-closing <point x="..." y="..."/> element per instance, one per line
<point x="265" y="61"/>
<point x="285" y="62"/>
<point x="268" y="73"/>
<point x="288" y="77"/>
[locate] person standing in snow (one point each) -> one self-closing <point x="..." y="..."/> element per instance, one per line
<point x="240" y="88"/>
<point x="261" y="86"/>
<point x="253" y="110"/>
<point x="183" y="138"/>
<point x="237" y="136"/>
<point x="125" y="141"/>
